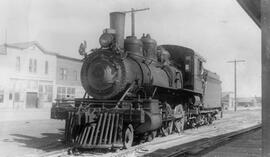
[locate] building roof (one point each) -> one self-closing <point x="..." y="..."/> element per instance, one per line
<point x="69" y="58"/>
<point x="25" y="45"/>
<point x="174" y="50"/>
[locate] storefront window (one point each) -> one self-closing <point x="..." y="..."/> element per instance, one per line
<point x="45" y="93"/>
<point x="65" y="92"/>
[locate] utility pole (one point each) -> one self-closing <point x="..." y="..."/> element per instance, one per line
<point x="5" y="36"/>
<point x="235" y="82"/>
<point x="5" y="44"/>
<point x="265" y="23"/>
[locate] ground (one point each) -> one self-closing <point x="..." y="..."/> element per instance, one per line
<point x="248" y="145"/>
<point x="31" y="137"/>
<point x="29" y="132"/>
<point x="18" y="138"/>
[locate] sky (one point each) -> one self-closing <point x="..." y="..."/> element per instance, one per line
<point x="219" y="30"/>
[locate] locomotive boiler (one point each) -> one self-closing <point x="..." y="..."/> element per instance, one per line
<point x="136" y="90"/>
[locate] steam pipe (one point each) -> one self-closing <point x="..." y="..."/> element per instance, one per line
<point x="132" y="22"/>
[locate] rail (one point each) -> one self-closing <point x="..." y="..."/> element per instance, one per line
<point x="200" y="145"/>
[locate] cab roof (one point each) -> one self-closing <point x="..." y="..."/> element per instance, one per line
<point x="175" y="50"/>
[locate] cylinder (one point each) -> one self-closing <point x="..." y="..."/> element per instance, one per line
<point x="152" y="122"/>
<point x="153" y="118"/>
<point x="117" y="22"/>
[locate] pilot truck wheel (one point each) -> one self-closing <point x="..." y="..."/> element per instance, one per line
<point x="128" y="136"/>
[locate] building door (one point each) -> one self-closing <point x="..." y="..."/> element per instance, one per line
<point x="31" y="100"/>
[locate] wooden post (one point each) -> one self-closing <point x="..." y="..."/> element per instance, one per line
<point x="265" y="5"/>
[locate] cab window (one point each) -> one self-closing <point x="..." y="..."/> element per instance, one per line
<point x="200" y="67"/>
<point x="187" y="64"/>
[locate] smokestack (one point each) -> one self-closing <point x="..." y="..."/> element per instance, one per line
<point x="117" y="22"/>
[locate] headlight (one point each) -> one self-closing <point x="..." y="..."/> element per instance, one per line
<point x="106" y="39"/>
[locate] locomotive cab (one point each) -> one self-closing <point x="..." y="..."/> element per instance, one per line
<point x="194" y="72"/>
<point x="191" y="65"/>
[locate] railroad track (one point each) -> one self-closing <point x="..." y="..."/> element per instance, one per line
<point x="194" y="148"/>
<point x="200" y="142"/>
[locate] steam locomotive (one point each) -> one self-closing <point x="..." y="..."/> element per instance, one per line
<point x="137" y="90"/>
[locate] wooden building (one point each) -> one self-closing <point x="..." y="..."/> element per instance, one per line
<point x="32" y="77"/>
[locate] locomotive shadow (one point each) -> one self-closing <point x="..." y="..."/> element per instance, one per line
<point x="45" y="141"/>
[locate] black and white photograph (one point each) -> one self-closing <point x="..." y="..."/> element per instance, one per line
<point x="134" y="78"/>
